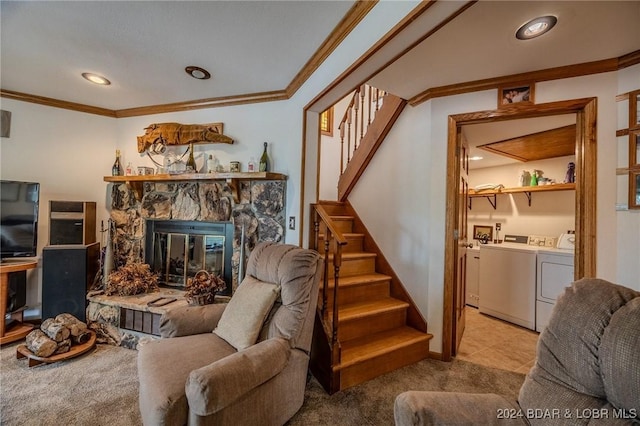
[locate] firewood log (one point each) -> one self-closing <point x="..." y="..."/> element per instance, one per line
<point x="55" y="330"/>
<point x="64" y="346"/>
<point x="75" y="326"/>
<point x="81" y="338"/>
<point x="40" y="344"/>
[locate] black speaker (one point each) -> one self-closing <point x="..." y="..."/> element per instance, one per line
<point x="72" y="222"/>
<point x="68" y="272"/>
<point x="17" y="296"/>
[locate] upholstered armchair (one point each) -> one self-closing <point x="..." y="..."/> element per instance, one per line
<point x="587" y="370"/>
<point x="244" y="362"/>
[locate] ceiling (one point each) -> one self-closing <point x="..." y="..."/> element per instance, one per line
<point x="143" y="47"/>
<point x="254" y="47"/>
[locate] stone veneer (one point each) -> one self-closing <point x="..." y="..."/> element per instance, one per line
<point x="260" y="208"/>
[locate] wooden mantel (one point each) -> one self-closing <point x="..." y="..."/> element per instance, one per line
<point x="136" y="183"/>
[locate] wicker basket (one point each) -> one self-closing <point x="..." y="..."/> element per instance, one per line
<point x="206" y="285"/>
<point x="200" y="299"/>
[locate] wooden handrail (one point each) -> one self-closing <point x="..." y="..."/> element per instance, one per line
<point x="332" y="233"/>
<point x="326" y="218"/>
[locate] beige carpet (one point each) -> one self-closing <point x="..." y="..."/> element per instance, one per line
<point x="101" y="388"/>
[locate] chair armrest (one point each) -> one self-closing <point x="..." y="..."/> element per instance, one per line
<point x="188" y="320"/>
<point x="215" y="386"/>
<point x="453" y="408"/>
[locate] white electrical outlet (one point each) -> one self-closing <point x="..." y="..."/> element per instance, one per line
<point x="292" y="222"/>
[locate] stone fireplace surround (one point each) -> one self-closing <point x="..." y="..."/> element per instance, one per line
<point x="260" y="207"/>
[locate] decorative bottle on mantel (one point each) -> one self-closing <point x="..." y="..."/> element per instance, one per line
<point x="264" y="160"/>
<point x="191" y="162"/>
<point x="116" y="169"/>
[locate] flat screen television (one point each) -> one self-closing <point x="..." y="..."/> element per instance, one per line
<point x="19" y="206"/>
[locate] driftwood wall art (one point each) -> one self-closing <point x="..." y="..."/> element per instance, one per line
<point x="181" y="134"/>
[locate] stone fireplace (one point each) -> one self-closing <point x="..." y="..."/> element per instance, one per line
<point x="221" y="213"/>
<point x="177" y="249"/>
<point x="259" y="209"/>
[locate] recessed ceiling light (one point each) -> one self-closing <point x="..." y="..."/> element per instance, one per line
<point x="536" y="27"/>
<point x="475" y="158"/>
<point x="197" y="72"/>
<point x="96" y="79"/>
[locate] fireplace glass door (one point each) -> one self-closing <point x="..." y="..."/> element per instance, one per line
<point x="180" y="256"/>
<point x="177" y="253"/>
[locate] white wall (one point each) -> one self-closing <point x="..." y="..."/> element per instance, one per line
<point x="550" y="213"/>
<point x="68" y="153"/>
<point x="408" y="177"/>
<point x="330" y="154"/>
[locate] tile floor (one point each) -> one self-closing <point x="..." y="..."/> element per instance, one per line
<point x="495" y="343"/>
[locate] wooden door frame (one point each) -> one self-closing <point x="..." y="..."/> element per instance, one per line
<point x="585" y="204"/>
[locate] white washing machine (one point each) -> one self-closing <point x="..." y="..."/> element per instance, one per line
<point x="508" y="282"/>
<point x="554" y="274"/>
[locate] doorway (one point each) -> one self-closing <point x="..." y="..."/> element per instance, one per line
<point x="585" y="205"/>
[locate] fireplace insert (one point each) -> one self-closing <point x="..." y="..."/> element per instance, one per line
<point x="178" y="249"/>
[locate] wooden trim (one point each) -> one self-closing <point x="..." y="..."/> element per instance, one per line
<point x="586" y="199"/>
<point x="629" y="59"/>
<point x="568" y="71"/>
<point x="377" y="131"/>
<point x="328" y="131"/>
<point x="351" y="20"/>
<point x="56" y="103"/>
<point x="622" y="132"/>
<point x="436" y="356"/>
<point x="251" y="98"/>
<point x="395" y="31"/>
<point x="622" y="97"/>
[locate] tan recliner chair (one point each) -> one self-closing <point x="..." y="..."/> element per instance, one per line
<point x="195" y="376"/>
<point x="587" y="370"/>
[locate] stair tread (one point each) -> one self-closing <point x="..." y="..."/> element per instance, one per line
<point x="370" y="307"/>
<point x="341" y="217"/>
<point x="353" y="255"/>
<point x="346" y="234"/>
<point x="360" y="279"/>
<point x="367" y="347"/>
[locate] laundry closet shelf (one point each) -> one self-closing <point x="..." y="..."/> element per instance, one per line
<point x="491" y="195"/>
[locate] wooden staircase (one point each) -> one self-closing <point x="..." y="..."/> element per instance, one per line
<point x="375" y="327"/>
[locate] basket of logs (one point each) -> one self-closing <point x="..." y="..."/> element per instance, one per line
<point x="202" y="288"/>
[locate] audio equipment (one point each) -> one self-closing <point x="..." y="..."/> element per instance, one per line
<point x="72" y="222"/>
<point x="68" y="272"/>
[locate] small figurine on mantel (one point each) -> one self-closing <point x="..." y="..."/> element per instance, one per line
<point x="570" y="177"/>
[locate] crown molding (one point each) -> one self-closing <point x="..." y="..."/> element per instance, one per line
<point x="351" y="19"/>
<point x="57" y="103"/>
<point x="568" y="71"/>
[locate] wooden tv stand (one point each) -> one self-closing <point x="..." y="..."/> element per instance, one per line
<point x="20" y="330"/>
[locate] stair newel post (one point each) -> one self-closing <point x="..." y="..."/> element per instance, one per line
<point x="337" y="262"/>
<point x="325" y="279"/>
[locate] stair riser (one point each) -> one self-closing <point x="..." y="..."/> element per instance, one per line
<point x="342" y="225"/>
<point x="353" y="267"/>
<point x="369" y="325"/>
<point x="367" y="370"/>
<point x="354" y="245"/>
<point x="359" y="293"/>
